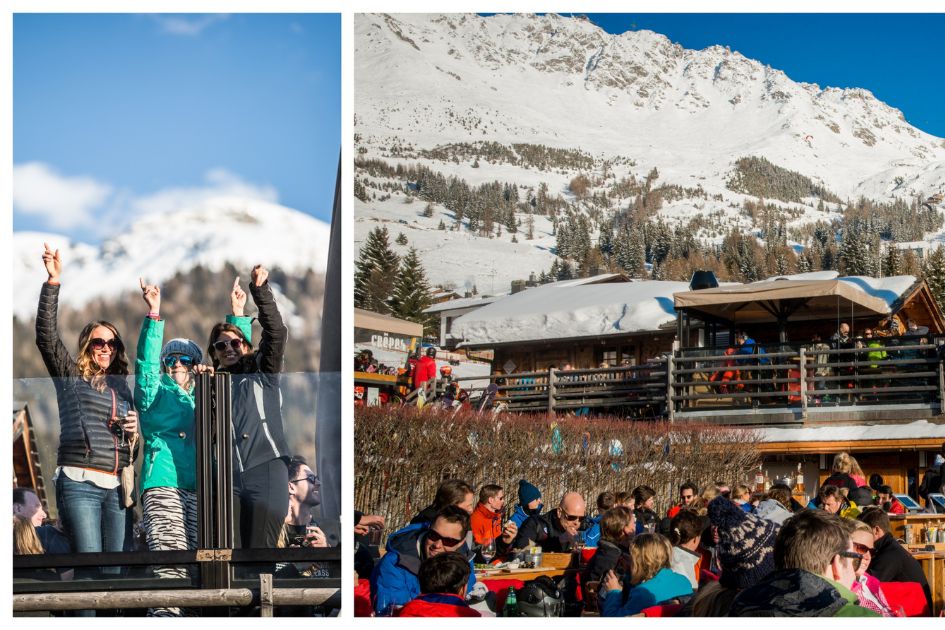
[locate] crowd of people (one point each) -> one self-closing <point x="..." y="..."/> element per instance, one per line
<point x="105" y="425"/>
<point x="722" y="550"/>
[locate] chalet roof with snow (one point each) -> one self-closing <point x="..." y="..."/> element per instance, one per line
<point x="614" y="305"/>
<point x="470" y="302"/>
<point x="591" y="307"/>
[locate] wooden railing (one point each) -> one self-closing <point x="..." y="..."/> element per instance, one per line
<point x="692" y="381"/>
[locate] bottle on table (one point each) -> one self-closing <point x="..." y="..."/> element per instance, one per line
<point x="510" y="609"/>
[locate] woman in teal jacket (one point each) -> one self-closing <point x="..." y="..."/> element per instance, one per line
<point x="652" y="581"/>
<point x="164" y="395"/>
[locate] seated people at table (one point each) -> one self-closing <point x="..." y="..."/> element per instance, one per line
<point x="486" y="520"/>
<point x="866" y="587"/>
<point x="840" y="473"/>
<point x="644" y="497"/>
<point x="686" y="532"/>
<point x="891" y="562"/>
<point x="617" y="526"/>
<point x="813" y="555"/>
<point x="395" y="580"/>
<point x="443" y="581"/>
<point x="529" y="503"/>
<point x="556" y="529"/>
<point x="651" y="582"/>
<point x="889" y="502"/>
<point x="605" y="501"/>
<point x="450" y="492"/>
<point x="687" y="493"/>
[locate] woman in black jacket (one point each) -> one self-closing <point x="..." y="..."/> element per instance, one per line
<point x="97" y="424"/>
<point x="261" y="455"/>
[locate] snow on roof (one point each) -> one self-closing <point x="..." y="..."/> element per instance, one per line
<point x="889" y="289"/>
<point x="913" y="430"/>
<point x="810" y="275"/>
<point x="449" y="305"/>
<point x="567" y="310"/>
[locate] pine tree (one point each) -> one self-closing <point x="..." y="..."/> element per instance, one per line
<point x="934" y="271"/>
<point x="441" y="226"/>
<point x="530" y="227"/>
<point x="892" y="263"/>
<point x="411" y="293"/>
<point x="428" y="210"/>
<point x="401" y="239"/>
<point x="375" y="271"/>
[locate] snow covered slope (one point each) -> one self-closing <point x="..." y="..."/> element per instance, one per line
<point x="244" y="232"/>
<point x="632" y="102"/>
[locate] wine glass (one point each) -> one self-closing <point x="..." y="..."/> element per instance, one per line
<point x="487" y="551"/>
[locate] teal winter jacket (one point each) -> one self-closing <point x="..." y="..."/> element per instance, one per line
<point x="166" y="413"/>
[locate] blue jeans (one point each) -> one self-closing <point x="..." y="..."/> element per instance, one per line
<point x="94" y="520"/>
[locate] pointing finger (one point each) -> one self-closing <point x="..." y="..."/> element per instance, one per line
<point x="143" y="286"/>
<point x="236" y="283"/>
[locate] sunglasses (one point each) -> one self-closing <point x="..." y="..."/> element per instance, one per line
<point x="309" y="478"/>
<point x="97" y="343"/>
<point x="172" y="359"/>
<point x="851" y="554"/>
<point x="234" y="343"/>
<point x="571" y="517"/>
<point x="862" y="549"/>
<point x="435" y="536"/>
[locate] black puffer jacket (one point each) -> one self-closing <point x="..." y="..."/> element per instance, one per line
<point x="84" y="437"/>
<point x="545" y="531"/>
<point x="258" y="436"/>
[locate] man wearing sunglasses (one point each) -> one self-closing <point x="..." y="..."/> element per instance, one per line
<point x="305" y="494"/>
<point x="555" y="530"/>
<point x="395" y="580"/>
<point x="814" y="557"/>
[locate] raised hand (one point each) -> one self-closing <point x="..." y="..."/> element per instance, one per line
<point x="260" y="275"/>
<point x="152" y="296"/>
<point x="53" y="263"/>
<point x="237" y="298"/>
<point x="202" y="368"/>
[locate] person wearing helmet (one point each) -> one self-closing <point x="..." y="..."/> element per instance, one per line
<point x="164" y="395"/>
<point x="425" y="368"/>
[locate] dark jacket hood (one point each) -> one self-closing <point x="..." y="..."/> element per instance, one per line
<point x="789" y="593"/>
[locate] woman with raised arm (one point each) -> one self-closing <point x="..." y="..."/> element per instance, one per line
<point x="261" y="455"/>
<point x="98" y="426"/>
<point x="164" y="393"/>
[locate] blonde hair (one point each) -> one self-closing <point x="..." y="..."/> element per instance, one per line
<point x="25" y="540"/>
<point x="650" y="553"/>
<point x="740" y="491"/>
<point x="88" y="369"/>
<point x="841" y="463"/>
<point x="855" y="467"/>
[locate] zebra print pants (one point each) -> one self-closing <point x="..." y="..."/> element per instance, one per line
<point x="170" y="522"/>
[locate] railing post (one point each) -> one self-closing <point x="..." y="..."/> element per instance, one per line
<point x="941" y="385"/>
<point x="552" y="390"/>
<point x="803" y="373"/>
<point x="670" y="411"/>
<point x="265" y="595"/>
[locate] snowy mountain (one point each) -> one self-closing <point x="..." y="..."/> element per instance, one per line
<point x="630" y="102"/>
<point x="242" y="232"/>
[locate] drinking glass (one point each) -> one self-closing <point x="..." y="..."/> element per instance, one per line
<point x="487" y="551"/>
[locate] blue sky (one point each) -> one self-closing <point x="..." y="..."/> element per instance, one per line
<point x="898" y="57"/>
<point x="115" y="115"/>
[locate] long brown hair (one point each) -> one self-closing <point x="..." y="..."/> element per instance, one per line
<point x="88" y="369"/>
<point x="650" y="553"/>
<point x="25" y="540"/>
<point x="215" y="333"/>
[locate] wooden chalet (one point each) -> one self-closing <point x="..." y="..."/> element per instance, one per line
<point x="27" y="467"/>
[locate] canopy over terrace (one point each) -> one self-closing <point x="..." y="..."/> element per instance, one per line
<point x="792" y="299"/>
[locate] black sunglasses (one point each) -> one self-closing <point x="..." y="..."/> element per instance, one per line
<point x="570" y="517"/>
<point x="434" y="536"/>
<point x="862" y="549"/>
<point x="309" y="478"/>
<point x="172" y="359"/>
<point x="851" y="554"/>
<point x="234" y="343"/>
<point x="97" y="343"/>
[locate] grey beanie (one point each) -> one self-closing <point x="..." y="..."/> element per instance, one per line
<point x="182" y="346"/>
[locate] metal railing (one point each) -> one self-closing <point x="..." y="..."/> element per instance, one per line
<point x="690" y="381"/>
